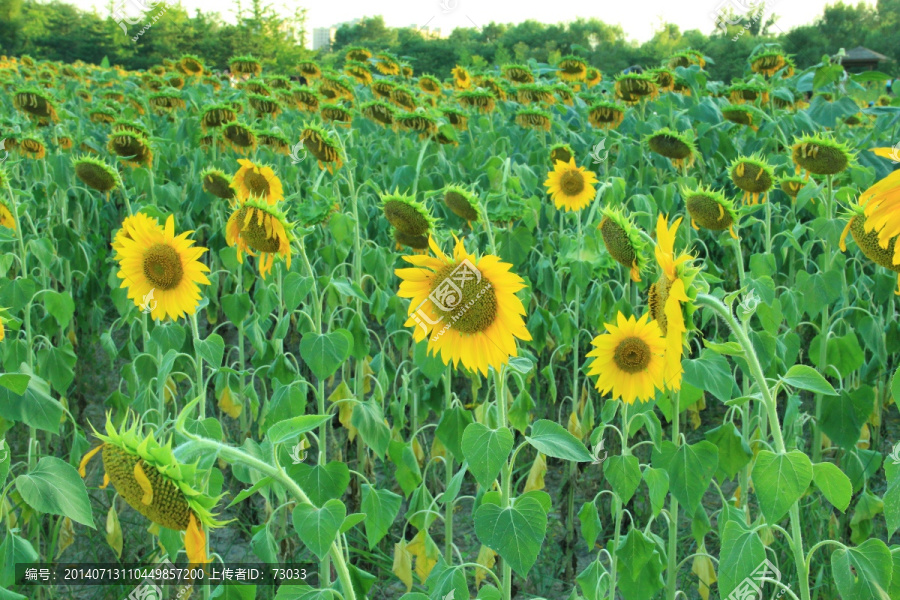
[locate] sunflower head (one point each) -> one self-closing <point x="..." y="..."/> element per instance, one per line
<point x="430" y="85"/>
<point x="7" y="218"/>
<point x="256" y="86"/>
<point x="133" y="148"/>
<point x="335" y="113"/>
<point x="175" y="81"/>
<point x="753" y="175"/>
<point x="606" y="115"/>
<point x="739" y="115"/>
<point x="102" y="114"/>
<point x="254" y="180"/>
<point x="686" y="58"/>
<point x="131" y="126"/>
<point x="768" y="62"/>
<point x="572" y="68"/>
<point x="217" y="115"/>
<point x="533" y="118"/>
<point x="333" y="87"/>
<point x="387" y="64"/>
<point x="379" y="111"/>
<point x="709" y="209"/>
<point x="791" y="185"/>
<point x="631" y="88"/>
<point x="561" y="152"/>
<point x="884" y="100"/>
<point x="629" y="359"/>
<point x="278" y="82"/>
<point x="32" y="147"/>
<point x="96" y="174"/>
<point x="461" y="78"/>
<point x="264" y="105"/>
<point x="148" y="477"/>
<point x="165" y="100"/>
<point x="458" y="119"/>
<point x="191" y="65"/>
<point x="481" y="100"/>
<point x="309" y="69"/>
<point x="407" y="214"/>
<point x="748" y="92"/>
<point x="517" y="73"/>
<point x="677" y="147"/>
<point x="239" y="137"/>
<point x="357" y="53"/>
<point x="358" y="71"/>
<point x="593" y="77"/>
<point x="462" y="203"/>
<point x="257" y="227"/>
<point x="321" y="145"/>
<point x="533" y="92"/>
<point x="416" y="242"/>
<point x="623" y="241"/>
<point x="424" y="124"/>
<point x="820" y="155"/>
<point x="217" y="183"/>
<point x="403" y="97"/>
<point x="245" y="65"/>
<point x="36" y="104"/>
<point x="868" y="241"/>
<point x="570" y="186"/>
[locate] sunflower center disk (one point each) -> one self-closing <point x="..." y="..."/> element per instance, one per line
<point x="471" y="305"/>
<point x="162" y="267"/>
<point x="572" y="183"/>
<point x="632" y="355"/>
<point x="255" y="234"/>
<point x="257" y="184"/>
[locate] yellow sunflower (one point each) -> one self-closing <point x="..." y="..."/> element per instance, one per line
<point x="260" y="228"/>
<point x="256" y="181"/>
<point x="461" y="78"/>
<point x="140" y="221"/>
<point x="629" y="360"/>
<point x="466" y="307"/>
<point x="881" y="204"/>
<point x="668" y="295"/>
<point x="7" y="218"/>
<point x="161" y="270"/>
<point x="570" y="186"/>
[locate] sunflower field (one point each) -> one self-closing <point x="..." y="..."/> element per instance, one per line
<point x="533" y="331"/>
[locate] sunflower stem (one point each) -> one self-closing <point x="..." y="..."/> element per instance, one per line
<point x="672" y="570"/>
<point x="201" y="389"/>
<point x="828" y="257"/>
<point x="448" y="504"/>
<point x="419" y="167"/>
<point x="617" y="503"/>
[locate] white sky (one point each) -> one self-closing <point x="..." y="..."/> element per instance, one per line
<point x="638" y="18"/>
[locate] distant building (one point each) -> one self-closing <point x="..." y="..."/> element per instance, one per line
<point x="429" y="33"/>
<point x="323" y="37"/>
<point x="862" y="59"/>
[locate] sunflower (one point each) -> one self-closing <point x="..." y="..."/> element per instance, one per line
<point x="133" y="149"/>
<point x="383" y="88"/>
<point x="257" y="227"/>
<point x="461" y="78"/>
<point x="404" y="98"/>
<point x="216" y="116"/>
<point x="156" y="264"/>
<point x="564" y="92"/>
<point x="305" y="99"/>
<point x="96" y="174"/>
<point x="532" y="118"/>
<point x="677" y="147"/>
<point x="869" y="243"/>
<point x="481" y="100"/>
<point x="458" y="119"/>
<point x="561" y="152"/>
<point x="623" y="241"/>
<point x="36" y="104"/>
<point x="139" y="220"/>
<point x="593" y="77"/>
<point x="379" y="112"/>
<point x="820" y="156"/>
<point x="740" y="116"/>
<point x="532" y="92"/>
<point x="264" y="105"/>
<point x="663" y="78"/>
<point x="416" y="242"/>
<point x="334" y="88"/>
<point x="256" y="86"/>
<point x="191" y="65"/>
<point x="357" y="53"/>
<point x="256" y="181"/>
<point x="881" y="205"/>
<point x="710" y="210"/>
<point x="686" y="58"/>
<point x="748" y="92"/>
<point x="462" y="203"/>
<point x="166" y="101"/>
<point x="276" y="141"/>
<point x="239" y="137"/>
<point x="309" y="69"/>
<point x="387" y="64"/>
<point x="245" y="65"/>
<point x="7" y="218"/>
<point x="606" y="115"/>
<point x="323" y="147"/>
<point x="217" y="183"/>
<point x="570" y="186"/>
<point x="629" y="359"/>
<point x="176" y="81"/>
<point x="424" y="124"/>
<point x="767" y="63"/>
<point x="571" y="68"/>
<point x="103" y="115"/>
<point x="150" y="479"/>
<point x="791" y="186"/>
<point x="430" y="85"/>
<point x="278" y="82"/>
<point x="517" y="73"/>
<point x="407" y="214"/>
<point x="359" y="72"/>
<point x="754" y="176"/>
<point x="467" y="305"/>
<point x="336" y="114"/>
<point x="32" y="148"/>
<point x="631" y="88"/>
<point x="494" y="87"/>
<point x="131" y="126"/>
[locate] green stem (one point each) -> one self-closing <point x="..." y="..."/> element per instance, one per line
<point x="617" y="503"/>
<point x="672" y="570"/>
<point x="823" y="331"/>
<point x="448" y="504"/>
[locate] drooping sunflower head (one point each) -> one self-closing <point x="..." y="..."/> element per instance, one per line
<point x="752" y="175"/>
<point x="217" y="115"/>
<point x="131" y="126"/>
<point x="96" y="174"/>
<point x="564" y="93"/>
<point x="869" y="243"/>
<point x="561" y="152"/>
<point x="151" y="480"/>
<point x="336" y="114"/>
<point x="321" y="145"/>
<point x="606" y="115"/>
<point x="461" y="78"/>
<point x="161" y="270"/>
<point x="466" y="307"/>
<point x="264" y="105"/>
<point x="132" y="148"/>
<point x="423" y="123"/>
<point x="256" y="86"/>
<point x="358" y="71"/>
<point x="517" y="73"/>
<point x="32" y="147"/>
<point x="36" y="104"/>
<point x="481" y="100"/>
<point x="710" y="209"/>
<point x="166" y="100"/>
<point x="739" y="115"/>
<point x="820" y="155"/>
<point x="306" y="99"/>
<point x="416" y="242"/>
<point x="791" y="185"/>
<point x="629" y="359"/>
<point x="357" y="53"/>
<point x="533" y="118"/>
<point x="593" y="77"/>
<point x="175" y="81"/>
<point x="407" y="214"/>
<point x="748" y="92"/>
<point x="686" y="58"/>
<point x="217" y="183"/>
<point x="533" y="92"/>
<point x="191" y="65"/>
<point x="677" y="147"/>
<point x="383" y="88"/>
<point x="102" y="114"/>
<point x="239" y="137"/>
<point x="309" y="69"/>
<point x="458" y="119"/>
<point x="254" y="180"/>
<point x="623" y="241"/>
<point x="462" y="203"/>
<point x="387" y="64"/>
<point x="571" y="187"/>
<point x="430" y="85"/>
<point x="631" y="88"/>
<point x="257" y="227"/>
<point x="403" y="97"/>
<point x="333" y="87"/>
<point x="767" y="62"/>
<point x="664" y="78"/>
<point x="379" y="112"/>
<point x="571" y="68"/>
<point x="245" y="65"/>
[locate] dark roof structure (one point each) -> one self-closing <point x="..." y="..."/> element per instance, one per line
<point x="862" y="59"/>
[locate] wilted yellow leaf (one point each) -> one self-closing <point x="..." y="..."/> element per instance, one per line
<point x="437" y="448"/>
<point x="345" y="409"/>
<point x="864" y="438"/>
<point x="228" y="405"/>
<point x="575" y="426"/>
<point x="535" y="479"/>
<point x="417" y="450"/>
<point x="169" y="390"/>
<point x="704" y="570"/>
<point x="114" y="531"/>
<point x="693" y="412"/>
<point x="426" y="553"/>
<point x="486" y="558"/>
<point x="66" y="536"/>
<point x="403" y="564"/>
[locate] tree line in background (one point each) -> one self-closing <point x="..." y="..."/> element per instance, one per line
<point x="60" y="31"/>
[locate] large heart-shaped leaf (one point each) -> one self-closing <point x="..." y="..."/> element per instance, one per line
<point x="742" y="553"/>
<point x="55" y="487"/>
<point x="486" y="450"/>
<point x="516" y="532"/>
<point x="324" y="353"/>
<point x="835" y="485"/>
<point x="780" y="480"/>
<point x="450" y="430"/>
<point x="321" y="483"/>
<point x="287" y="430"/>
<point x="623" y="474"/>
<point x="381" y="508"/>
<point x="553" y="440"/>
<point x="318" y="527"/>
<point x="864" y="572"/>
<point x="690" y="467"/>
